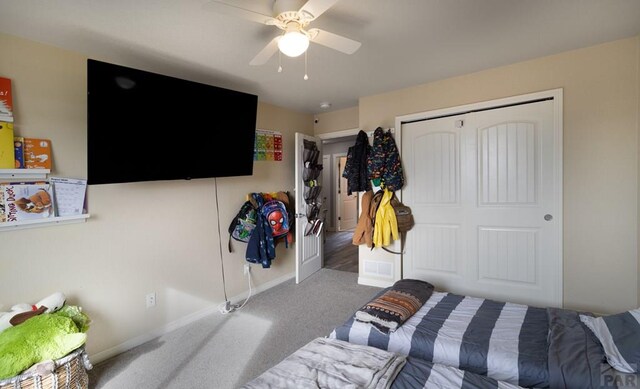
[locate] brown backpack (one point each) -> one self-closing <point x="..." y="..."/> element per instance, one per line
<point x="403" y="214"/>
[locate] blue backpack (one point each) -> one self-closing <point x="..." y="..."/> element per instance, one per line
<point x="277" y="216"/>
<point x="273" y="224"/>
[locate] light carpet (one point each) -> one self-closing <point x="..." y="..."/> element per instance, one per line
<point x="227" y="351"/>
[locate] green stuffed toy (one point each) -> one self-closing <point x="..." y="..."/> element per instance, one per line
<point x="48" y="336"/>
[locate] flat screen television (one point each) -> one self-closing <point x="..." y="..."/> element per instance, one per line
<point x="145" y="126"/>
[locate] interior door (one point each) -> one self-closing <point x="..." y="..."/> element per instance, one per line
<point x="347" y="209"/>
<point x="486" y="202"/>
<point x="309" y="247"/>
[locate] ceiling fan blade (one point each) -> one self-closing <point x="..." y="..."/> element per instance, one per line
<point x="269" y="50"/>
<point x="333" y="41"/>
<point x="314" y="8"/>
<point x="239" y="12"/>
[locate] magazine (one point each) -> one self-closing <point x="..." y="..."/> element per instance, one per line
<point x="27" y="201"/>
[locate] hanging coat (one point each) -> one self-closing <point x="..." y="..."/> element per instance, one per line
<point x="393" y="176"/>
<point x="364" y="229"/>
<point x="377" y="158"/>
<point x="261" y="246"/>
<point x="385" y="229"/>
<point x="355" y="169"/>
<point x="384" y="165"/>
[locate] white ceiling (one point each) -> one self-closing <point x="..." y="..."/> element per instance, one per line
<point x="404" y="42"/>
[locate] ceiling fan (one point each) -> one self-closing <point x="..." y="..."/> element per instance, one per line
<point x="292" y="17"/>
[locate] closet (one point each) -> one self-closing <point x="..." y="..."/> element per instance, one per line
<point x="484" y="182"/>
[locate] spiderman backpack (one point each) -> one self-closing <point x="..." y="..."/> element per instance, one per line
<point x="277" y="215"/>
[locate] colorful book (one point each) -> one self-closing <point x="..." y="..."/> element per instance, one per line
<point x="27" y="201"/>
<point x="6" y="101"/>
<point x="37" y="153"/>
<point x="7" y="159"/>
<point x="18" y="147"/>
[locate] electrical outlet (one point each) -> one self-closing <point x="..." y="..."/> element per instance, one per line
<point x="247" y="269"/>
<point x="151" y="299"/>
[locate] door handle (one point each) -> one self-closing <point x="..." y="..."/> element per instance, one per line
<point x="548" y="217"/>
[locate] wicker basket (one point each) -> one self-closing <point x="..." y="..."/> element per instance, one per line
<point x="70" y="373"/>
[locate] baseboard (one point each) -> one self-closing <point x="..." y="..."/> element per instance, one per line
<point x="262" y="287"/>
<point x="183" y="321"/>
<point x="374" y="282"/>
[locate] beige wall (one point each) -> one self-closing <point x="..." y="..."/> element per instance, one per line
<point x="134" y="243"/>
<point x="343" y="119"/>
<point x="601" y="107"/>
<point x="141" y="237"/>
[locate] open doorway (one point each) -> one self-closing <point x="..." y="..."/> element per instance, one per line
<point x="346" y="204"/>
<point x="341" y="210"/>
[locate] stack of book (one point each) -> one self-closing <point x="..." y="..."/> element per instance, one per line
<point x="18" y="152"/>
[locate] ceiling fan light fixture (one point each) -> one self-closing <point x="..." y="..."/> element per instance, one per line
<point x="293" y="43"/>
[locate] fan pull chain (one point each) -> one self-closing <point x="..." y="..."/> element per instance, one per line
<point x="305" y="66"/>
<point x="279" y="61"/>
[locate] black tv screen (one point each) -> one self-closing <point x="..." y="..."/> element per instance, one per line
<point x="145" y="126"/>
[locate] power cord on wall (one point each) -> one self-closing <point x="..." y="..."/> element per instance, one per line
<point x="226" y="306"/>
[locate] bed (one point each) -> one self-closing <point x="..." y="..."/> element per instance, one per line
<point x="331" y="363"/>
<point x="421" y="339"/>
<point x="511" y="343"/>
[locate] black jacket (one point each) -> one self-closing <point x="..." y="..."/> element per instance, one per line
<point x="355" y="170"/>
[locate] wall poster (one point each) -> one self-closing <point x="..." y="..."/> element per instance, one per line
<point x="268" y="146"/>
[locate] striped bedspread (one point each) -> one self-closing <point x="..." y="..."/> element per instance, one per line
<point x="504" y="341"/>
<point x="334" y="364"/>
<point x="419" y="374"/>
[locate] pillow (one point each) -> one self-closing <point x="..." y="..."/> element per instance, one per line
<point x="620" y="337"/>
<point x="44" y="337"/>
<point x="396" y="305"/>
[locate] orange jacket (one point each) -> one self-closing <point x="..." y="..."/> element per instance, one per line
<point x="364" y="229"/>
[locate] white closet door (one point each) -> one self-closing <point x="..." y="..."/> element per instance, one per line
<point x="482" y="186"/>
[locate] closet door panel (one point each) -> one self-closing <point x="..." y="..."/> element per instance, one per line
<point x="483" y="189"/>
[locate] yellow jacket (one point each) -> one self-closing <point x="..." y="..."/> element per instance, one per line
<point x="385" y="229"/>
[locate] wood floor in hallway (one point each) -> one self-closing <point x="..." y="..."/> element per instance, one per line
<point x="339" y="252"/>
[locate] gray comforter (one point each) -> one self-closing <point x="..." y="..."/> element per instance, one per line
<point x="576" y="358"/>
<point x="331" y="363"/>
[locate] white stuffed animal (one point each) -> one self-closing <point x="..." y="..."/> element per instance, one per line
<point x="21" y="312"/>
